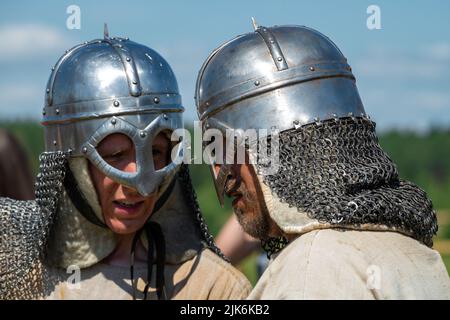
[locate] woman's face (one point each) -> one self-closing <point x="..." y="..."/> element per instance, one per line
<point x="124" y="210"/>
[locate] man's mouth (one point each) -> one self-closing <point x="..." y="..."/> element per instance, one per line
<point x="234" y="194"/>
<point x="237" y="197"/>
<point x="232" y="190"/>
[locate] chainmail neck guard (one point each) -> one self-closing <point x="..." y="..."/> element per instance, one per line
<point x="336" y="172"/>
<point x="24" y="231"/>
<point x="191" y="198"/>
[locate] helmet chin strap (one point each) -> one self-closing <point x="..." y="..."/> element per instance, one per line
<point x="77" y="197"/>
<point x="156" y="244"/>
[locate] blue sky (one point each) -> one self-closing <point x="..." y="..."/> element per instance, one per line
<point x="402" y="70"/>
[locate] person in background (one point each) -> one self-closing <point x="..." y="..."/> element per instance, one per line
<point x="234" y="242"/>
<point x="16" y="181"/>
<point x="237" y="245"/>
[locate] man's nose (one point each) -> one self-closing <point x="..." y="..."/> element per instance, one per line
<point x="233" y="172"/>
<point x="217" y="168"/>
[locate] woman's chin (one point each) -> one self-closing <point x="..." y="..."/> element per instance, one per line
<point x="124" y="227"/>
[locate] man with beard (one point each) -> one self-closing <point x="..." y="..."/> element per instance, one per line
<point x="115" y="216"/>
<point x="335" y="218"/>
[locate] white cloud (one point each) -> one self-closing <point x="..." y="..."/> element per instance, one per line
<point x="406" y="87"/>
<point x="26" y="100"/>
<point x="406" y="108"/>
<point x="428" y="61"/>
<point x="439" y="51"/>
<point x="430" y="100"/>
<point x="30" y="41"/>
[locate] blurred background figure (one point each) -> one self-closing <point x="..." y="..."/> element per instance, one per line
<point x="234" y="242"/>
<point x="16" y="181"/>
<point x="238" y="245"/>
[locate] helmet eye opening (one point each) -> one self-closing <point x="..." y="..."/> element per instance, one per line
<point x="162" y="148"/>
<point x="118" y="151"/>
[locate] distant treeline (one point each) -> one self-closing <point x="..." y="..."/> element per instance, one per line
<point x="421" y="158"/>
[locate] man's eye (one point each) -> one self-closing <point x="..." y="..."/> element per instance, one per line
<point x="156" y="152"/>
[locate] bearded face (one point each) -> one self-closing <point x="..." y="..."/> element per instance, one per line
<point x="248" y="201"/>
